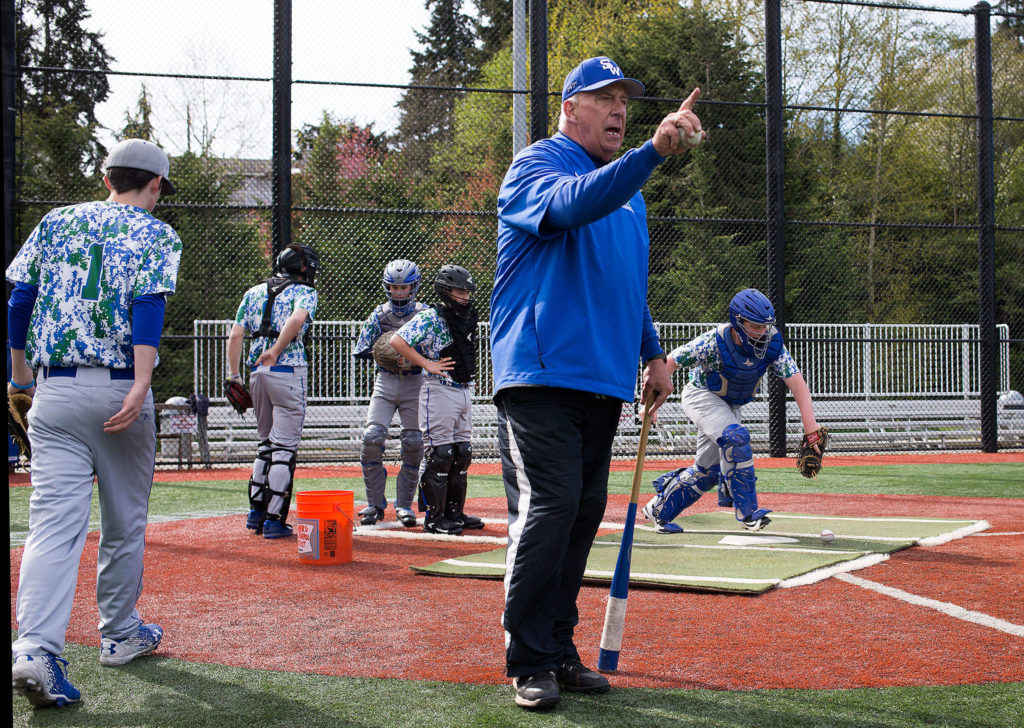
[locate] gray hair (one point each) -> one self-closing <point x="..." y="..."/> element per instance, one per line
<point x="561" y="113"/>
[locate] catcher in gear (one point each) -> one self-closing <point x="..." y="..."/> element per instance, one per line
<point x="725" y="366"/>
<point x="396" y="390"/>
<point x="812" y="449"/>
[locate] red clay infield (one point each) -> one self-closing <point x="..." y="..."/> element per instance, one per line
<point x="228" y="597"/>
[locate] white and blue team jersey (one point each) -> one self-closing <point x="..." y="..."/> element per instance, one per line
<point x="89" y="262"/>
<point x="427" y="332"/>
<point x="250" y="316"/>
<point x="372" y="329"/>
<point x="701" y="355"/>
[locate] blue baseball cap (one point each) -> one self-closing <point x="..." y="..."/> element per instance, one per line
<point x="595" y="73"/>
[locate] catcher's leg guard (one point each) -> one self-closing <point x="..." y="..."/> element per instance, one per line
<point x="676" y="491"/>
<point x="279" y="483"/>
<point x="371" y="458"/>
<point x="740" y="478"/>
<point x="259" y="494"/>
<point x="434" y="489"/>
<point x="412" y="456"/>
<point x="462" y="456"/>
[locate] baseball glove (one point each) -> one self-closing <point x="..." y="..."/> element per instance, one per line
<point x="386" y="356"/>
<point x="17" y="421"/>
<point x="238" y="395"/>
<point x="812" y="450"/>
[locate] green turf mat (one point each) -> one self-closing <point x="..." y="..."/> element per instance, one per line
<point x="715" y="554"/>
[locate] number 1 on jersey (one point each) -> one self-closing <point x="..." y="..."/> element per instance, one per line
<point x="91" y="289"/>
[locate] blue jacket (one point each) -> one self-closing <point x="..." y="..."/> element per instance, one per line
<point x="569" y="306"/>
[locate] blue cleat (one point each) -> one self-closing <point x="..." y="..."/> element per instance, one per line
<point x="276" y="529"/>
<point x="120" y="652"/>
<point x="43" y="680"/>
<point x="255" y="521"/>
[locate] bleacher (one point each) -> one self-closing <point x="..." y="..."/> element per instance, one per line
<point x="878" y="388"/>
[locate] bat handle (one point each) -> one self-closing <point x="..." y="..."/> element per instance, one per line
<point x="611" y="637"/>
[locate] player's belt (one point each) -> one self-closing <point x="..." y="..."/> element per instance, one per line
<point x="277" y="368"/>
<point x="72" y="371"/>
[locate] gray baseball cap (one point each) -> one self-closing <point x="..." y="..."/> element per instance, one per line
<point x="140" y="154"/>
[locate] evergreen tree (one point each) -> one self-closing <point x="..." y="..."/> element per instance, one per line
<point x="139" y="124"/>
<point x="448" y="59"/>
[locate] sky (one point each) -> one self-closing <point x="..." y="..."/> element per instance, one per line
<point x="332" y="40"/>
<point x="366" y="41"/>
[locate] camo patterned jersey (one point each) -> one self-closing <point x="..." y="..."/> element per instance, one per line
<point x="250" y="316"/>
<point x="702" y="356"/>
<point x="371" y="328"/>
<point x="89" y="262"/>
<point x="428" y="334"/>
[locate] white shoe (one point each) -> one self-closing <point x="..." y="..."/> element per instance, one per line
<point x="119" y="652"/>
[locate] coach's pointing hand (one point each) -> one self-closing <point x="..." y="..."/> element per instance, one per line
<point x="681" y="130"/>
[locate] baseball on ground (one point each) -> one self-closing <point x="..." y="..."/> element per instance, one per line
<point x="827" y="536"/>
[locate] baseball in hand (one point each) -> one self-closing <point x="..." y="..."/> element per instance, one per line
<point x="827" y="536"/>
<point x="694" y="139"/>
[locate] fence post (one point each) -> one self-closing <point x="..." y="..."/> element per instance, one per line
<point x="538" y="69"/>
<point x="986" y="226"/>
<point x="776" y="212"/>
<point x="10" y="60"/>
<point x="281" y="189"/>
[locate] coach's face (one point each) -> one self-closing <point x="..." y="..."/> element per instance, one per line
<point x="597" y="120"/>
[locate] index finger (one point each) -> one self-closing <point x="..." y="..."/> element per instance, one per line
<point x="687" y="105"/>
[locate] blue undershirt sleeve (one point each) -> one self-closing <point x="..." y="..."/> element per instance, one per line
<point x="19" y="313"/>
<point x="148" y="319"/>
<point x="582" y="200"/>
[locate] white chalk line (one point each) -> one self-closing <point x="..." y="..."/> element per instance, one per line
<point x="952" y="610"/>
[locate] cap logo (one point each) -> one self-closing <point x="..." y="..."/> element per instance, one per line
<point x="609" y="65"/>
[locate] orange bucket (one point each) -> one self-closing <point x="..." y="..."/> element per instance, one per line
<point x="323" y="523"/>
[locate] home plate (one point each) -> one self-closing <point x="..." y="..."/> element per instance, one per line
<point x="756" y="540"/>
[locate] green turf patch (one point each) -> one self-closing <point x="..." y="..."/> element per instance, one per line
<point x="715" y="554"/>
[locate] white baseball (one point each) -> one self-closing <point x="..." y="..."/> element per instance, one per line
<point x="694" y="139"/>
<point x="827" y="536"/>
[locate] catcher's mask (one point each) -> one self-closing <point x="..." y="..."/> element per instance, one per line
<point x="451" y="278"/>
<point x="291" y="260"/>
<point x="401" y="273"/>
<point x="753" y="319"/>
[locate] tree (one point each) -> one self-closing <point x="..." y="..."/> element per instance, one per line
<point x="448" y="59"/>
<point x="139" y="125"/>
<point x="59" y="154"/>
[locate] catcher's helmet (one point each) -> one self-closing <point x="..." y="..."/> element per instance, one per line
<point x="752" y="306"/>
<point x="450" y="278"/>
<point x="291" y="259"/>
<point x="401" y="273"/>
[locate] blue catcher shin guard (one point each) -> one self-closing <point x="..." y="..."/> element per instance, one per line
<point x="744" y="494"/>
<point x="676" y="491"/>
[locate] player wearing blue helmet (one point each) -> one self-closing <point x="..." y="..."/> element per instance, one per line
<point x="393" y="391"/>
<point x="726" y="365"/>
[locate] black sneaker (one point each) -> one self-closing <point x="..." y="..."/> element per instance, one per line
<point x="442" y="526"/>
<point x="370" y="515"/>
<point x="469" y="523"/>
<point x="575" y="677"/>
<point x="536" y="692"/>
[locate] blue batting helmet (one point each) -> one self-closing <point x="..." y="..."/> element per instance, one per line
<point x="401" y="273"/>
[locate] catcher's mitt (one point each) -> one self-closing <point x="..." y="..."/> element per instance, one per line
<point x="386" y="356"/>
<point x="17" y="421"/>
<point x="238" y="395"/>
<point x="812" y="449"/>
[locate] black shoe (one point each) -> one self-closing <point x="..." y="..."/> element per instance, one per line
<point x="575" y="677"/>
<point x="370" y="515"/>
<point x="469" y="523"/>
<point x="443" y="526"/>
<point x="536" y="692"/>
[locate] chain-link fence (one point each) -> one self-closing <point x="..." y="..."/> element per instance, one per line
<point x="883" y="250"/>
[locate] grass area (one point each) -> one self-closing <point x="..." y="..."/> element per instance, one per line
<point x="164" y="692"/>
<point x="168" y="693"/>
<point x="221" y="497"/>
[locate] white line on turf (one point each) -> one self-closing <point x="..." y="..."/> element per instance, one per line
<point x="817" y="575"/>
<point x="952" y="610"/>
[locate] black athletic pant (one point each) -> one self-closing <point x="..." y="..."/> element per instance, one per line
<point x="555" y="452"/>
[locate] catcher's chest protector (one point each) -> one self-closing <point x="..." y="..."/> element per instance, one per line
<point x="463" y="346"/>
<point x="741" y="371"/>
<point x="391" y="321"/>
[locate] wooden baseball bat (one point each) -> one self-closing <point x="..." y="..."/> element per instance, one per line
<point x="615" y="616"/>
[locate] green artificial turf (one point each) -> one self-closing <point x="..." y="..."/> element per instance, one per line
<point x="167" y="693"/>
